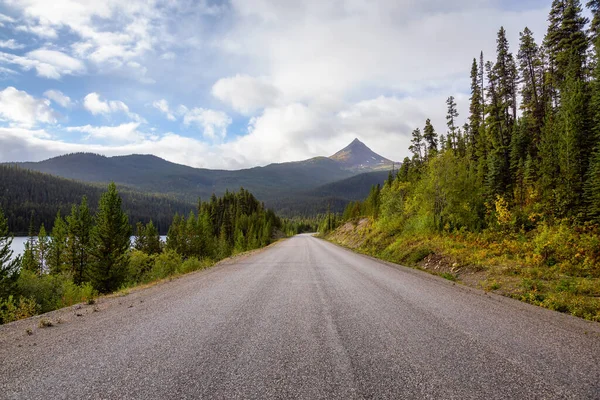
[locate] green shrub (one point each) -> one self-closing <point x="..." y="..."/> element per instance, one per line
<point x="193" y="264"/>
<point x="140" y="265"/>
<point x="12" y="310"/>
<point x="165" y="265"/>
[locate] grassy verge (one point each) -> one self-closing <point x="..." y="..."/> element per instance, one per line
<point x="52" y="292"/>
<point x="553" y="267"/>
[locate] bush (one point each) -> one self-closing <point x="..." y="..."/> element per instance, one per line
<point x="166" y="264"/>
<point x="193" y="264"/>
<point x="140" y="265"/>
<point x="53" y="291"/>
<point x="11" y="310"/>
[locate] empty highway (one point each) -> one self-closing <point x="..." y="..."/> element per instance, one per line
<point x="303" y="319"/>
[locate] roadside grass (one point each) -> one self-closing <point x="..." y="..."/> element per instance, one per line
<point x="556" y="267"/>
<point x="58" y="291"/>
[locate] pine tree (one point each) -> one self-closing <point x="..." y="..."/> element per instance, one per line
<point x="30" y="259"/>
<point x="42" y="249"/>
<point x="451" y="116"/>
<point x="476" y="112"/>
<point x="431" y="139"/>
<point x="147" y="238"/>
<point x="79" y="228"/>
<point x="110" y="242"/>
<point x="58" y="244"/>
<point x="9" y="266"/>
<point x="594" y="6"/>
<point x="417" y="146"/>
<point x="532" y="72"/>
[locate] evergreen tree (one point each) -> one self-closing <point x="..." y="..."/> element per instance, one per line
<point x="451" y="116"/>
<point x="57" y="246"/>
<point x="30" y="259"/>
<point x="147" y="238"/>
<point x="532" y="72"/>
<point x="431" y="139"/>
<point x="417" y="146"/>
<point x="79" y="228"/>
<point x="110" y="242"/>
<point x="476" y="112"/>
<point x="42" y="249"/>
<point x="9" y="266"/>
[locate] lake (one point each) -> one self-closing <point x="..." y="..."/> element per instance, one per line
<point x="18" y="244"/>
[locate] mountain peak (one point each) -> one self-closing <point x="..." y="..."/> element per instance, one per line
<point x="358" y="156"/>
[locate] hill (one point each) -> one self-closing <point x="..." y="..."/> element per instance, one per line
<point x="23" y="192"/>
<point x="333" y="196"/>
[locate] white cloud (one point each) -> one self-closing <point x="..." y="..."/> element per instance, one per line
<point x="214" y="123"/>
<point x="47" y="63"/>
<point x="122" y="133"/>
<point x="11" y="44"/>
<point x="59" y="98"/>
<point x="245" y="94"/>
<point x="163" y="106"/>
<point x="44" y="31"/>
<point x="20" y="108"/>
<point x="95" y="105"/>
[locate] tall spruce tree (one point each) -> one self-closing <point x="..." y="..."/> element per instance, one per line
<point x="58" y="245"/>
<point x="110" y="242"/>
<point x="451" y="117"/>
<point x="431" y="139"/>
<point x="417" y="146"/>
<point x="476" y="112"/>
<point x="79" y="229"/>
<point x="42" y="248"/>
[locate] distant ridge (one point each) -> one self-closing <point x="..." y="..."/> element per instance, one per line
<point x="358" y="157"/>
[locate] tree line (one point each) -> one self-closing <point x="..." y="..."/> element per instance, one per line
<point x="85" y="253"/>
<point x="25" y="192"/>
<point x="530" y="150"/>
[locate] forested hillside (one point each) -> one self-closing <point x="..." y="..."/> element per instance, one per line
<point x="516" y="190"/>
<point x="332" y="197"/>
<point x="26" y="193"/>
<point x="152" y="174"/>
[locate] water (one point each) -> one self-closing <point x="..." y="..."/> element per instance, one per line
<point x="18" y="244"/>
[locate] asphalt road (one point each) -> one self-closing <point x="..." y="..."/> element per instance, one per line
<point x="304" y="319"/>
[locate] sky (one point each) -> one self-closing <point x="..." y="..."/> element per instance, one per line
<point x="240" y="83"/>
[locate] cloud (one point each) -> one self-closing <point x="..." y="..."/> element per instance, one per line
<point x="214" y="123"/>
<point x="20" y="108"/>
<point x="59" y="98"/>
<point x="11" y="44"/>
<point x="122" y="133"/>
<point x="50" y="64"/>
<point x="245" y="94"/>
<point x="44" y="31"/>
<point x="163" y="106"/>
<point x="67" y="65"/>
<point x="96" y="106"/>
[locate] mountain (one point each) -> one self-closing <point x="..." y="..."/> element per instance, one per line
<point x="358" y="157"/>
<point x="24" y="192"/>
<point x="271" y="184"/>
<point x="152" y="174"/>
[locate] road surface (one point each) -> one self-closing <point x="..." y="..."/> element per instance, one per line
<point x="304" y="319"/>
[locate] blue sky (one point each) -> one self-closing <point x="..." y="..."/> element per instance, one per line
<point x="240" y="83"/>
